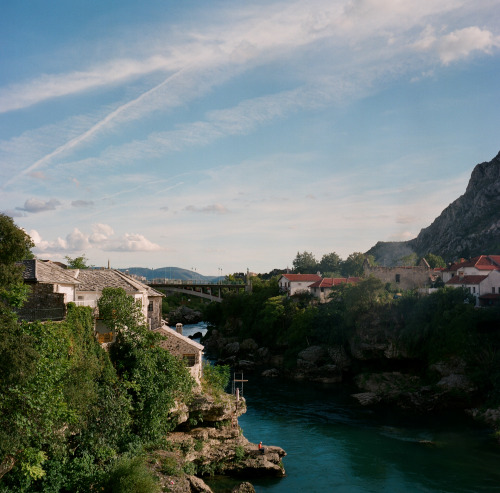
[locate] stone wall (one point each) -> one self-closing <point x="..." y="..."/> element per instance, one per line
<point x="43" y="304"/>
<point x="401" y="277"/>
<point x="154" y="315"/>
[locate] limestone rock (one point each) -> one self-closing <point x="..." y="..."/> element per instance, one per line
<point x="271" y="373"/>
<point x="198" y="485"/>
<point x="244" y="488"/>
<point x="312" y="354"/>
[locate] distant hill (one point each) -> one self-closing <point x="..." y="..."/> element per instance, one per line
<point x="468" y="227"/>
<point x="168" y="273"/>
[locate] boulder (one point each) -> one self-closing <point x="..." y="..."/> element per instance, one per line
<point x="271" y="373"/>
<point x="198" y="485"/>
<point x="248" y="345"/>
<point x="339" y="356"/>
<point x="312" y="354"/>
<point x="243" y="488"/>
<point x="232" y="348"/>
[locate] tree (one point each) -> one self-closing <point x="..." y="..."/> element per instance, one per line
<point x="435" y="261"/>
<point x="353" y="265"/>
<point x="15" y="245"/>
<point x="77" y="262"/>
<point x="305" y="263"/>
<point x="330" y="263"/>
<point x="408" y="260"/>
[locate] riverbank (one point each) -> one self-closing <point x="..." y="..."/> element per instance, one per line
<point x="208" y="441"/>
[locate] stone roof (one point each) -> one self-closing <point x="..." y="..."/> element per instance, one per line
<point x="98" y="279"/>
<point x="46" y="272"/>
<point x="168" y="332"/>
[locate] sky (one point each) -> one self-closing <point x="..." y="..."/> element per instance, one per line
<point x="218" y="136"/>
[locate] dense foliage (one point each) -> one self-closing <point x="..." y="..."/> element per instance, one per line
<point x="73" y="417"/>
<point x="430" y="328"/>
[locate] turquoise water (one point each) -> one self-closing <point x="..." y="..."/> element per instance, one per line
<point x="334" y="445"/>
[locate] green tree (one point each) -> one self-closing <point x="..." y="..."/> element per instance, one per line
<point x="15" y="245"/>
<point x="305" y="263"/>
<point x="408" y="260"/>
<point x="330" y="263"/>
<point x="435" y="260"/>
<point x="352" y="266"/>
<point x="77" y="262"/>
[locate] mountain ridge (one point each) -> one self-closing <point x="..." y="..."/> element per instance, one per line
<point x="468" y="227"/>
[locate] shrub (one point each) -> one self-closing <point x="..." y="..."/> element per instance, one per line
<point x="131" y="476"/>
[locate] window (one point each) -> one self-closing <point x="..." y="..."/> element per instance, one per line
<point x="189" y="359"/>
<point x="473" y="289"/>
<point x="150" y="306"/>
<point x="493" y="290"/>
<point x="398" y="277"/>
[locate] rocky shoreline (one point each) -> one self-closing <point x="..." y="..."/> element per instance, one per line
<point x="207" y="441"/>
<point x="377" y="366"/>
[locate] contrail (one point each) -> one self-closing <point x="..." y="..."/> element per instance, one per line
<point x="91" y="131"/>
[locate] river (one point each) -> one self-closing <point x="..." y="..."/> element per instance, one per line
<point x="335" y="445"/>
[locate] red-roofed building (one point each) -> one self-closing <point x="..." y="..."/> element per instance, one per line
<point x="485" y="287"/>
<point x="295" y="283"/>
<point x="481" y="265"/>
<point x="322" y="288"/>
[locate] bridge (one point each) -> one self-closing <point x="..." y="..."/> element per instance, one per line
<point x="202" y="289"/>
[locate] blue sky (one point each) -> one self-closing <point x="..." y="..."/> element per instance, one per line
<point x="229" y="135"/>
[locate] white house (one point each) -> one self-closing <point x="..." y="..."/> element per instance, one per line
<point x="485" y="288"/>
<point x="296" y="283"/>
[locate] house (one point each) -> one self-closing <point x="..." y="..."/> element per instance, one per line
<point x="403" y="277"/>
<point x="482" y="265"/>
<point x="484" y="287"/>
<point x="321" y="289"/>
<point x="183" y="348"/>
<point x="297" y="283"/>
<point x="91" y="282"/>
<point x="52" y="288"/>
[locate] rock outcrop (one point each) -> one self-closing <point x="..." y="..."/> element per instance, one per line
<point x="208" y="440"/>
<point x="468" y="227"/>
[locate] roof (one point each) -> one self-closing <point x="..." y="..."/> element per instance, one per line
<point x="466" y="279"/>
<point x="329" y="282"/>
<point x="98" y="279"/>
<point x="168" y="332"/>
<point x="302" y="277"/>
<point x="46" y="272"/>
<point x="483" y="262"/>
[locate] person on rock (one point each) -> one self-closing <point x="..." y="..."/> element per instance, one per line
<point x="261" y="448"/>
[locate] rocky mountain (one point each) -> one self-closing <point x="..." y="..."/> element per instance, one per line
<point x="468" y="227"/>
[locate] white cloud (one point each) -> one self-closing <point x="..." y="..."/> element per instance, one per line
<point x="102" y="238"/>
<point x="35" y="205"/>
<point x="458" y="44"/>
<point x="82" y="203"/>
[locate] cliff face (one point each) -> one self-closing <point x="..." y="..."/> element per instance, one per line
<point x="468" y="227"/>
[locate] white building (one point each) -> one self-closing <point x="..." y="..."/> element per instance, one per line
<point x="296" y="283"/>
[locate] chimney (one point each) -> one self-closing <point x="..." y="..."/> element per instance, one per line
<point x="178" y="328"/>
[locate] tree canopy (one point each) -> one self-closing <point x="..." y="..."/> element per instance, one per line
<point x="305" y="263"/>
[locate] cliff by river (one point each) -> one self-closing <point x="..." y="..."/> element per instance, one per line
<point x="208" y="440"/>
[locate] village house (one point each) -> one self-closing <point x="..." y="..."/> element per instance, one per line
<point x="184" y="348"/>
<point x="321" y="289"/>
<point x="53" y="287"/>
<point x="297" y="283"/>
<point x="480" y="276"/>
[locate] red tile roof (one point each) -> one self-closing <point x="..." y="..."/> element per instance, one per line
<point x="483" y="262"/>
<point x="302" y="277"/>
<point x="329" y="282"/>
<point x="466" y="279"/>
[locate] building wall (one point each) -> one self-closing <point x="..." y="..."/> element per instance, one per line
<point x="492" y="281"/>
<point x="43" y="304"/>
<point x="178" y="347"/>
<point x="68" y="291"/>
<point x="401" y="277"/>
<point x="154" y="315"/>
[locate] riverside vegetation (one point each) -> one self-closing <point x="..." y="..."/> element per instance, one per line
<point x="422" y="353"/>
<point x="77" y="418"/>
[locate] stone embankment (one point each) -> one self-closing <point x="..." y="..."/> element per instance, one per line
<point x="377" y="364"/>
<point x="209" y="441"/>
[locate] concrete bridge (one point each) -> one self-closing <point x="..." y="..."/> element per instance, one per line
<point x="202" y="289"/>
